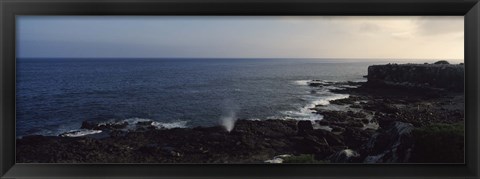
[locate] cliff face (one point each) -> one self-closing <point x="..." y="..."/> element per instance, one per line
<point x="450" y="77"/>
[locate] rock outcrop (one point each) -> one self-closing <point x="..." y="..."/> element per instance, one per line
<point x="249" y="142"/>
<point x="391" y="144"/>
<point x="444" y="76"/>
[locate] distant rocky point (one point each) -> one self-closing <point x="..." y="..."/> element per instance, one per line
<point x="443" y="76"/>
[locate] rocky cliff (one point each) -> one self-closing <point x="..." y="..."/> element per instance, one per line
<point x="444" y="76"/>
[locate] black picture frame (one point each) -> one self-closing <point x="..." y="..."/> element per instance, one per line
<point x="470" y="9"/>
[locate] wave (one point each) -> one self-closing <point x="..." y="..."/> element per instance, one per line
<point x="326" y="100"/>
<point x="302" y="82"/>
<point x="132" y="123"/>
<point x="278" y="159"/>
<point x="360" y="80"/>
<point x="135" y="120"/>
<point x="348" y="86"/>
<point x="80" y="133"/>
<point x="170" y="125"/>
<point x="321" y="97"/>
<point x="307" y="82"/>
<point x="306" y="112"/>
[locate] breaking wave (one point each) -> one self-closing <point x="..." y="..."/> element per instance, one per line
<point x="80" y="133"/>
<point x="170" y="125"/>
<point x="322" y="98"/>
<point x="132" y="122"/>
<point x="302" y="82"/>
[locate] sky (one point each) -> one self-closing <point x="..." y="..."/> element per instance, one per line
<point x="376" y="37"/>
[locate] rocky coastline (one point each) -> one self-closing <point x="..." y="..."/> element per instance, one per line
<point x="382" y="121"/>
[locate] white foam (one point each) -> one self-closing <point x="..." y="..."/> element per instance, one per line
<point x="275" y="160"/>
<point x="324" y="100"/>
<point x="325" y="81"/>
<point x="278" y="158"/>
<point x="135" y="120"/>
<point x="327" y="128"/>
<point x="350" y="153"/>
<point x="306" y="112"/>
<point x="80" y="133"/>
<point x="348" y="86"/>
<point x="335" y="97"/>
<point x="114" y="122"/>
<point x="279" y="117"/>
<point x="302" y="82"/>
<point x="170" y="125"/>
<point x="132" y="122"/>
<point x="302" y="115"/>
<point x="333" y="88"/>
<point x="307" y="82"/>
<point x="360" y="80"/>
<point x="159" y="125"/>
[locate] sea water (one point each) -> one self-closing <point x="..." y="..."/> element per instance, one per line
<point x="55" y="95"/>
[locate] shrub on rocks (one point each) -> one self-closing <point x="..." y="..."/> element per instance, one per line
<point x="439" y="143"/>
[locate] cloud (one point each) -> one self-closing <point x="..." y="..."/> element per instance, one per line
<point x="402" y="35"/>
<point x="369" y="27"/>
<point x="242" y="37"/>
<point x="440" y="25"/>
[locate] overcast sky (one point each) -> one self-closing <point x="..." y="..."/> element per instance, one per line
<point x="432" y="37"/>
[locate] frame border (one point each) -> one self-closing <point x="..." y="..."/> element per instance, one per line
<point x="470" y="9"/>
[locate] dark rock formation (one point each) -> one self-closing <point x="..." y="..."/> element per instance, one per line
<point x="315" y="84"/>
<point x="418" y="75"/>
<point x="345" y="156"/>
<point x="304" y="126"/>
<point x="248" y="142"/>
<point x="441" y="62"/>
<point x="393" y="144"/>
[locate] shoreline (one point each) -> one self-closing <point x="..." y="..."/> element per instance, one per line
<point x="374" y="124"/>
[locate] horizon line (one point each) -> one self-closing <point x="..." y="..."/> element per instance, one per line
<point x="340" y="58"/>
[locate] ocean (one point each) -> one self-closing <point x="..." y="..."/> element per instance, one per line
<point x="56" y="95"/>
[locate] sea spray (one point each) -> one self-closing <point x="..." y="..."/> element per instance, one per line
<point x="229" y="115"/>
<point x="228" y="121"/>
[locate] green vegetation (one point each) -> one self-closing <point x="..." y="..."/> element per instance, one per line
<point x="443" y="62"/>
<point x="303" y="158"/>
<point x="439" y="143"/>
